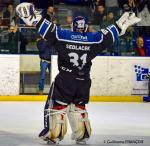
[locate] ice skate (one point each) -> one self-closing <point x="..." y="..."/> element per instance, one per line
<point x="53" y="142"/>
<point x="44" y="134"/>
<point x="81" y="142"/>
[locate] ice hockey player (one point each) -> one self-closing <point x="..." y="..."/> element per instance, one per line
<point x="69" y="93"/>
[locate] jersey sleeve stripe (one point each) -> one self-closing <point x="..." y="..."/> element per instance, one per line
<point x="47" y="30"/>
<point x="114" y="32"/>
<point x="40" y="27"/>
<point x="44" y="27"/>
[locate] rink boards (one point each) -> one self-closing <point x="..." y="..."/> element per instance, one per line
<point x="119" y="77"/>
<point x="113" y="78"/>
<point x="92" y="98"/>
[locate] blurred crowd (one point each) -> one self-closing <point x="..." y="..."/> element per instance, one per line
<point x="100" y="14"/>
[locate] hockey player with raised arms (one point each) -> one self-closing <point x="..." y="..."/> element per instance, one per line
<point x="69" y="93"/>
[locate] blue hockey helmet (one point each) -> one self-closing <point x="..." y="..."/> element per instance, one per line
<point x="79" y="24"/>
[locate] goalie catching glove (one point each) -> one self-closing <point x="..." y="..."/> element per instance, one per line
<point x="27" y="12"/>
<point x="126" y="20"/>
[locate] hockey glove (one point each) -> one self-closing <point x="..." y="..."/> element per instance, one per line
<point x="126" y="20"/>
<point x="27" y="12"/>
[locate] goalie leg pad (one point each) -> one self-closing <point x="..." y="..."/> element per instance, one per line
<point x="57" y="123"/>
<point x="80" y="124"/>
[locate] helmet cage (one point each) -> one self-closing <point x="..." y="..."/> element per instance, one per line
<point x="79" y="24"/>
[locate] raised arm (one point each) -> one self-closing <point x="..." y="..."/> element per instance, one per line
<point x="32" y="17"/>
<point x="50" y="31"/>
<point x="113" y="32"/>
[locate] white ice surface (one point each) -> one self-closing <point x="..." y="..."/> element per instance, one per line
<point x="21" y="122"/>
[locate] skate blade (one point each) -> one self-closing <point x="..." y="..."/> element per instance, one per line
<point x="51" y="142"/>
<point x="81" y="142"/>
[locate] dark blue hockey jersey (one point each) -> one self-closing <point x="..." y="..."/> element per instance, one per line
<point x="75" y="49"/>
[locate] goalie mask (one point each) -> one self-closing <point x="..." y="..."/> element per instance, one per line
<point x="79" y="24"/>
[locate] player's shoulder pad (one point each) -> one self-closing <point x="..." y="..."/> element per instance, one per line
<point x="77" y="37"/>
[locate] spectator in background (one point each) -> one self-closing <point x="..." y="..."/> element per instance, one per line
<point x="128" y="5"/>
<point x="68" y="23"/>
<point x="99" y="15"/>
<point x="108" y="20"/>
<point x="9" y="13"/>
<point x="91" y="29"/>
<point x="128" y="41"/>
<point x="44" y="48"/>
<point x="132" y="5"/>
<point x="69" y="20"/>
<point x="50" y="14"/>
<point x="13" y="38"/>
<point x="96" y="3"/>
<point x="110" y="17"/>
<point x="112" y="6"/>
<point x="140" y="46"/>
<point x="144" y="13"/>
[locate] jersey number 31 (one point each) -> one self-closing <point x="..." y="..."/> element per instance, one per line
<point x="75" y="59"/>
